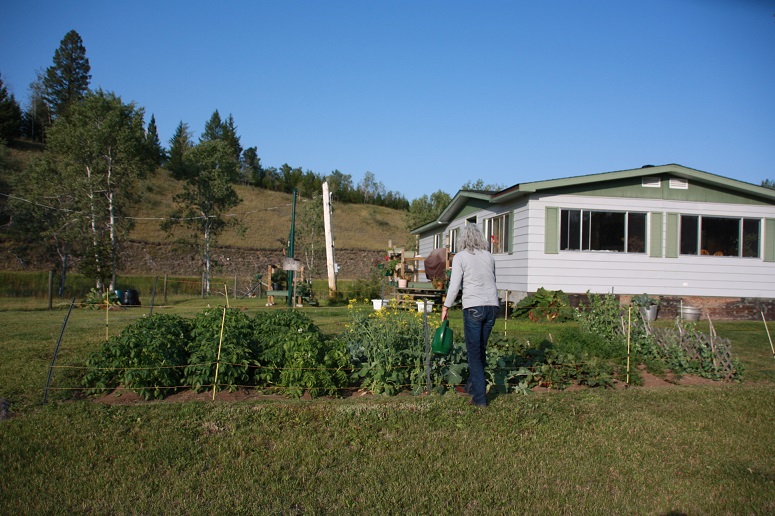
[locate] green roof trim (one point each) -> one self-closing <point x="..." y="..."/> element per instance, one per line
<point x="703" y="187"/>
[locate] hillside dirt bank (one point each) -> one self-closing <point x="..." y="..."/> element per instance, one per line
<point x="143" y="258"/>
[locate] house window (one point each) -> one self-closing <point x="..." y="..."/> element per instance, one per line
<point x="495" y="231"/>
<point x="453" y="240"/>
<point x="438" y="240"/>
<point x="585" y="230"/>
<point x="720" y="236"/>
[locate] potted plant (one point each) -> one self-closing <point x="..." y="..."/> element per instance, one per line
<point x="279" y="277"/>
<point x="648" y="306"/>
<point x="403" y="281"/>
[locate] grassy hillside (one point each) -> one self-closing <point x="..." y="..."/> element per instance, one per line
<point x="266" y="216"/>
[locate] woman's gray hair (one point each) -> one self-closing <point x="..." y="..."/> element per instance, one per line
<point x="472" y="239"/>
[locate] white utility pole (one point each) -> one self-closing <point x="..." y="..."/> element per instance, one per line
<point x="329" y="230"/>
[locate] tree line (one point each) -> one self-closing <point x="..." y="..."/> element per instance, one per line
<point x="72" y="202"/>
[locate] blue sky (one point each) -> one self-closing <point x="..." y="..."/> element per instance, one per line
<point x="428" y="95"/>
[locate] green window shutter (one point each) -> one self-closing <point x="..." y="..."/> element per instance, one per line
<point x="655" y="238"/>
<point x="769" y="240"/>
<point x="552" y="231"/>
<point x="510" y="232"/>
<point x="671" y="247"/>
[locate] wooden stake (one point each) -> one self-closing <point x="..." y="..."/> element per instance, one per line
<point x="218" y="360"/>
<point x="107" y="311"/>
<point x="629" y="327"/>
<point x="768" y="334"/>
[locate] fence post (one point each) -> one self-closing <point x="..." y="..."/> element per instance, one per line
<point x="50" y="289"/>
<point x="235" y="286"/>
<point x="165" y="290"/>
<point x="56" y="351"/>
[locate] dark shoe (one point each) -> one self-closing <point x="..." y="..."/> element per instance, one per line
<point x="477" y="405"/>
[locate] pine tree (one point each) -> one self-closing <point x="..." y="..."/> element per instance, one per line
<point x="251" y="167"/>
<point x="67" y="80"/>
<point x="158" y="154"/>
<point x="180" y="144"/>
<point x="229" y="135"/>
<point x="10" y="115"/>
<point x="213" y="129"/>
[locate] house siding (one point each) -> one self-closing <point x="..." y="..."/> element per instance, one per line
<point x="535" y="261"/>
<point x="600" y="272"/>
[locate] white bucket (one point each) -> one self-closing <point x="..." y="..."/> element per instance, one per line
<point x="428" y="306"/>
<point x="378" y="303"/>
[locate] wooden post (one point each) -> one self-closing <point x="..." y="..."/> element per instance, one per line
<point x="50" y="289"/>
<point x="235" y="287"/>
<point x="165" y="290"/>
<point x="329" y="231"/>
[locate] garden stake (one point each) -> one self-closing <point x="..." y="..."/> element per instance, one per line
<point x="506" y="316"/>
<point x="107" y="311"/>
<point x="427" y="345"/>
<point x="218" y="360"/>
<point x="56" y="351"/>
<point x="226" y="289"/>
<point x="629" y="328"/>
<point x="768" y="334"/>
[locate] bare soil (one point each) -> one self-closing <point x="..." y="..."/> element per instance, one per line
<point x="126" y="397"/>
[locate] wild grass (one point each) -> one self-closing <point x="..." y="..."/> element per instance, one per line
<point x="266" y="218"/>
<point x="692" y="450"/>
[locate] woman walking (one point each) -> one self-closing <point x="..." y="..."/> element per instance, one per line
<point x="473" y="269"/>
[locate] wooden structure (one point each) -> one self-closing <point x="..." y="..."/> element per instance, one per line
<point x="298" y="278"/>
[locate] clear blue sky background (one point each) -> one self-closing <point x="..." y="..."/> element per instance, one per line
<point x="428" y="95"/>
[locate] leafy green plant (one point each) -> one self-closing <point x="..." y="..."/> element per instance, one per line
<point x="148" y="356"/>
<point x="292" y="353"/>
<point x="313" y="365"/>
<point x="95" y="299"/>
<point x="387" y="349"/>
<point x="545" y="306"/>
<point x="644" y="301"/>
<point x="236" y="356"/>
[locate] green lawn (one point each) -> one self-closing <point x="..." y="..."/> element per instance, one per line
<point x="693" y="450"/>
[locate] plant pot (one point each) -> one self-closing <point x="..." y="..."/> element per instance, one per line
<point x="428" y="305"/>
<point x="402" y="283"/>
<point x="378" y="303"/>
<point x="650" y="312"/>
<point x="690" y="313"/>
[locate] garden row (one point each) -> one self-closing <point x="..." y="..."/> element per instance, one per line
<point x="382" y="352"/>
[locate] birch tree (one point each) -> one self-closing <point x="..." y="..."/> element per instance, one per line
<point x="99" y="146"/>
<point x="206" y="198"/>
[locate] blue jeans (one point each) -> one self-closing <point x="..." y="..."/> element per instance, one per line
<point x="477" y="325"/>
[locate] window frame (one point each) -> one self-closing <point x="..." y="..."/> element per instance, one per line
<point x="501" y="240"/>
<point x="581" y="229"/>
<point x="700" y="228"/>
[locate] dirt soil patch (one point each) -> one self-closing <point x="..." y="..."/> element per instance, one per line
<point x="123" y="396"/>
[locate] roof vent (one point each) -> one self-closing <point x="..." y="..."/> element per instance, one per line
<point x="677" y="183"/>
<point x="651" y="182"/>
